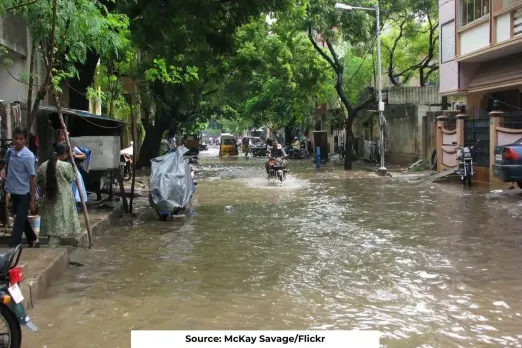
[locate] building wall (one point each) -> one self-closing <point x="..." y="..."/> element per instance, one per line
<point x="474" y="38"/>
<point x="16" y="38"/>
<point x="448" y="68"/>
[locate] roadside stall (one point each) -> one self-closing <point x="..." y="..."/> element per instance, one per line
<point x="100" y="134"/>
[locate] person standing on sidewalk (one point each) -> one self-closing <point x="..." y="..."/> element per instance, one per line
<point x="78" y="156"/>
<point x="20" y="184"/>
<point x="59" y="217"/>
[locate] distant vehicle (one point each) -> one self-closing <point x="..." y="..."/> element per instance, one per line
<point x="203" y="147"/>
<point x="228" y="145"/>
<point x="508" y="162"/>
<point x="249" y="143"/>
<point x="192" y="141"/>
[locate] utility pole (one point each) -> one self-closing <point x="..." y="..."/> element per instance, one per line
<point x="382" y="121"/>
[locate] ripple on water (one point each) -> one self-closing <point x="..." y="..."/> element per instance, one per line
<point x="324" y="250"/>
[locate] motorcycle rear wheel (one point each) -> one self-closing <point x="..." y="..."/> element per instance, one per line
<point x="15" y="331"/>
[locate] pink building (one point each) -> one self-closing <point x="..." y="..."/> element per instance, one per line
<point x="481" y="53"/>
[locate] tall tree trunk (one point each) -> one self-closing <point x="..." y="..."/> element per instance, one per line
<point x="288" y="134"/>
<point x="78" y="87"/>
<point x="348" y="146"/>
<point x="152" y="142"/>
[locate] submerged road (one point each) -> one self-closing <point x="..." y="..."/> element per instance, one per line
<point x="428" y="265"/>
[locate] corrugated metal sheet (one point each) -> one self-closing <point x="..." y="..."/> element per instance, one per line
<point x="414" y="95"/>
<point x="447" y="42"/>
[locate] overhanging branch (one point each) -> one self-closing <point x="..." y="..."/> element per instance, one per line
<point x="319" y="49"/>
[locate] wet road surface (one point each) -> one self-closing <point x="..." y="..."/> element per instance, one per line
<point x="427" y="265"/>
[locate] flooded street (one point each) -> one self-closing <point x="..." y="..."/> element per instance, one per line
<point x="426" y="264"/>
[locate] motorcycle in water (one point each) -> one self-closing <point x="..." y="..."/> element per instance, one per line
<point x="277" y="168"/>
<point x="465" y="163"/>
<point x="172" y="183"/>
<point x="12" y="309"/>
<point x="294" y="153"/>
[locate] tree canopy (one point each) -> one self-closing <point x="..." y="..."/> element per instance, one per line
<point x="196" y="62"/>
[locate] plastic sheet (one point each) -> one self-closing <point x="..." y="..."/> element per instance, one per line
<point x="171" y="184"/>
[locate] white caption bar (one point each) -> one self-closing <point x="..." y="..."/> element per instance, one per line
<point x="239" y="339"/>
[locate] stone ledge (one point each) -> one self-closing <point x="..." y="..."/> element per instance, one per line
<point x="41" y="268"/>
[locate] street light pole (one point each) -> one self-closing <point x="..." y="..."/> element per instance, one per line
<point x="382" y="121"/>
<point x="382" y="124"/>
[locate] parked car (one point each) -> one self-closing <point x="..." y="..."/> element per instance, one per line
<point x="508" y="162"/>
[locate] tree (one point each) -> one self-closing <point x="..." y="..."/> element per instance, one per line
<point x="326" y="27"/>
<point x="177" y="32"/>
<point x="411" y="48"/>
<point x="277" y="78"/>
<point x="64" y="33"/>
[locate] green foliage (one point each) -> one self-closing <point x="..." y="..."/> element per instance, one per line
<point x="196" y="38"/>
<point x="358" y="73"/>
<point x="277" y="76"/>
<point x="410" y="47"/>
<point x="58" y="77"/>
<point x="81" y="25"/>
<point x="170" y="74"/>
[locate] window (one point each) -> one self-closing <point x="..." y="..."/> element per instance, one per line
<point x="471" y="10"/>
<point x="447" y="42"/>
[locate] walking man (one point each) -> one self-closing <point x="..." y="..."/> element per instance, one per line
<point x="20" y="184"/>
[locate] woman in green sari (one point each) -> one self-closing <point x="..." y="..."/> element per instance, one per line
<point x="58" y="211"/>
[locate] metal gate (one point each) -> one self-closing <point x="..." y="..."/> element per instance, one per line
<point x="478" y="130"/>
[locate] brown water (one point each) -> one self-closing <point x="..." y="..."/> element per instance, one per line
<point x="427" y="265"/>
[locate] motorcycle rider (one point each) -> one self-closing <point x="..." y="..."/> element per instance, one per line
<point x="275" y="151"/>
<point x="296" y="145"/>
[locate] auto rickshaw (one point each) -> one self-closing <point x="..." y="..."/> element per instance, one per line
<point x="228" y="145"/>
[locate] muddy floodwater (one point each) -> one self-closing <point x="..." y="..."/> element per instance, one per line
<point x="428" y="265"/>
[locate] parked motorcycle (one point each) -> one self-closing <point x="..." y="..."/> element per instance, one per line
<point x="465" y="163"/>
<point x="277" y="168"/>
<point x="12" y="309"/>
<point x="296" y="153"/>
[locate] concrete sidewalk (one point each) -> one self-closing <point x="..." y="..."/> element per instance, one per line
<point x="42" y="266"/>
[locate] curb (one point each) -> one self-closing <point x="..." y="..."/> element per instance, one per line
<point x="98" y="228"/>
<point x="49" y="264"/>
<point x="34" y="288"/>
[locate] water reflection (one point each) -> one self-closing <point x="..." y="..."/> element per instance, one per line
<point x="426" y="265"/>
